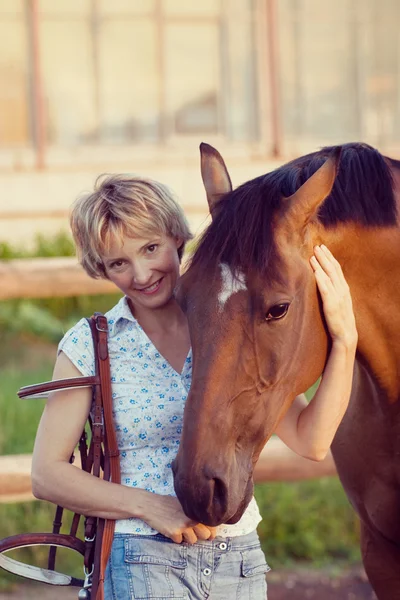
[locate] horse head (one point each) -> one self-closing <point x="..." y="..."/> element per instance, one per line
<point x="257" y="330"/>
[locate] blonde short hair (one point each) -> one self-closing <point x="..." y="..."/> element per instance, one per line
<point x="119" y="206"/>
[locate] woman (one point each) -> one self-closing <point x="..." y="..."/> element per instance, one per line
<point x="132" y="232"/>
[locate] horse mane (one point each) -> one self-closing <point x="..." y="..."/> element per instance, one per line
<point x="241" y="234"/>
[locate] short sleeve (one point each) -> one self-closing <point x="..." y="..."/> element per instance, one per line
<point x="77" y="344"/>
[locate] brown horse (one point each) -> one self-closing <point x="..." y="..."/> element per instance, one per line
<point x="259" y="336"/>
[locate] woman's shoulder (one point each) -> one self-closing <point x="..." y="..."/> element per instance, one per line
<point x="121" y="323"/>
<point x="81" y="329"/>
<point x="120" y="313"/>
<point x="77" y="344"/>
<point x="77" y="332"/>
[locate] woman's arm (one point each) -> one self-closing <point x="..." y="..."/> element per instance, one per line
<point x="56" y="480"/>
<point x="53" y="477"/>
<point x="277" y="462"/>
<point x="309" y="429"/>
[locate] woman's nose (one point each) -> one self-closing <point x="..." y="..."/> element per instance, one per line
<point x="141" y="273"/>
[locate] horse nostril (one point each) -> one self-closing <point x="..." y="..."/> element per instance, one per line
<point x="218" y="497"/>
<point x="220" y="491"/>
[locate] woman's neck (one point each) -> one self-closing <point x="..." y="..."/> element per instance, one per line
<point x="169" y="317"/>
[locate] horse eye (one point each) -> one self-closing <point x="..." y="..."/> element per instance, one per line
<point x="278" y="311"/>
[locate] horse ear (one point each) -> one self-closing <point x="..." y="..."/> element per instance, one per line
<point x="215" y="175"/>
<point x="305" y="202"/>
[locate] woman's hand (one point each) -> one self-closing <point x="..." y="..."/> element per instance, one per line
<point x="336" y="298"/>
<point x="165" y="515"/>
<point x="308" y="428"/>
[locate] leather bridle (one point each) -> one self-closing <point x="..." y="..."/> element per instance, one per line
<point x="100" y="459"/>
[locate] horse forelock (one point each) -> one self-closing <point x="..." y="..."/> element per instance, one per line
<point x="241" y="234"/>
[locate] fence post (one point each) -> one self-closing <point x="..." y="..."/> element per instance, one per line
<point x="37" y="92"/>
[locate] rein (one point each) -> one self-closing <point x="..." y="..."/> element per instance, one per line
<point x="101" y="459"/>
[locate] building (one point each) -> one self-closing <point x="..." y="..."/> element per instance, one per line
<point x="148" y="74"/>
<point x="136" y="84"/>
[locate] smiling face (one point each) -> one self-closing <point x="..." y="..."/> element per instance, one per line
<point x="145" y="269"/>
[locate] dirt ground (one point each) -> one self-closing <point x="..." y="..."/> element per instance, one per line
<point x="319" y="585"/>
<point x="282" y="585"/>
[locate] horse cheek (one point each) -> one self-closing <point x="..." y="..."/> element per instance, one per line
<point x="316" y="357"/>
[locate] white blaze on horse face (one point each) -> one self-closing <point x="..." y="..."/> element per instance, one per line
<point x="230" y="284"/>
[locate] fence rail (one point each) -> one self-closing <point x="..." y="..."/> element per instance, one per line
<point x="48" y="277"/>
<point x="277" y="463"/>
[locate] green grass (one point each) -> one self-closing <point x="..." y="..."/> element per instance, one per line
<point x="19" y="421"/>
<point x="19" y="418"/>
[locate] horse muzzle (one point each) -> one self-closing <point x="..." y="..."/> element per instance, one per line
<point x="210" y="498"/>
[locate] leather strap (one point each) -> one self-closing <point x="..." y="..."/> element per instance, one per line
<point x="42" y="390"/>
<point x="111" y="453"/>
<point x="40" y="539"/>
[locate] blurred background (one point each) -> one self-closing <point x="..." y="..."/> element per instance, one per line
<point x="93" y="86"/>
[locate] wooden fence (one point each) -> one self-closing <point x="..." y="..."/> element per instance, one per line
<point x="47" y="278"/>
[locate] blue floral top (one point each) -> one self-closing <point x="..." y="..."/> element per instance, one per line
<point x="148" y="402"/>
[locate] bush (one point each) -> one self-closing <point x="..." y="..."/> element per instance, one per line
<point x="59" y="245"/>
<point x="308" y="521"/>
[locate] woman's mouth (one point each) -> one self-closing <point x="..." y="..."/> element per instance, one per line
<point x="151" y="289"/>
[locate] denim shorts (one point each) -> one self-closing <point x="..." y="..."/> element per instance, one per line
<point x="152" y="567"/>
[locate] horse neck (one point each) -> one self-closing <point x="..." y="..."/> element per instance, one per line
<point x="370" y="258"/>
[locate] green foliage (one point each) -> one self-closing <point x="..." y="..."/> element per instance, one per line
<point x="26" y="316"/>
<point x="19" y="418"/>
<point x="7" y="252"/>
<point x="50" y="318"/>
<point x="309" y="520"/>
<point x="59" y="245"/>
<point x="18" y="425"/>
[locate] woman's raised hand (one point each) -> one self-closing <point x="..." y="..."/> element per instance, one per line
<point x="165" y="515"/>
<point x="336" y="297"/>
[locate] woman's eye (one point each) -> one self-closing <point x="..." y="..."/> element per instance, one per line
<point x="117" y="264"/>
<point x="278" y="311"/>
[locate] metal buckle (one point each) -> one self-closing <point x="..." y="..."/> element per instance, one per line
<point x="85" y="592"/>
<point x="87" y="574"/>
<point x="100" y="423"/>
<point x="89" y="540"/>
